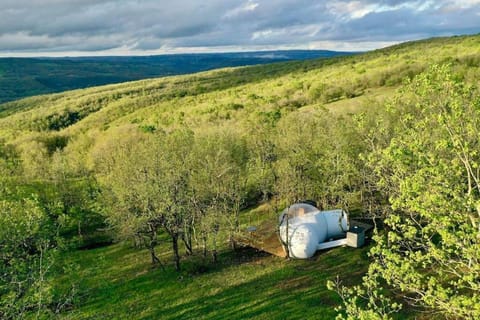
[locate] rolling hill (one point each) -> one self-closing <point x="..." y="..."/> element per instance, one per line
<point x="237" y="95"/>
<point x="309" y="122"/>
<point x="23" y="77"/>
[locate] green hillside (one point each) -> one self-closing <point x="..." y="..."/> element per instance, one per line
<point x="25" y="77"/>
<point x="239" y="94"/>
<point x="124" y="200"/>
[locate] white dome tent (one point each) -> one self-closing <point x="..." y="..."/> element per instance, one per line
<point x="304" y="229"/>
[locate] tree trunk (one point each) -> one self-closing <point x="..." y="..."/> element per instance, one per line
<point x="155" y="259"/>
<point x="236" y="226"/>
<point x="187" y="240"/>
<point x="214" y="251"/>
<point x="176" y="255"/>
<point x="233" y="243"/>
<point x="204" y="240"/>
<point x="79" y="228"/>
<point x="151" y="247"/>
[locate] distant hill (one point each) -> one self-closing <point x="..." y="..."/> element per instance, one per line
<point x="223" y="96"/>
<point x="23" y="77"/>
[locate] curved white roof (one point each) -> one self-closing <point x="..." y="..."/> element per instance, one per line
<point x="298" y="209"/>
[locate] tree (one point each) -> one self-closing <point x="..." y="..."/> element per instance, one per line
<point x="300" y="152"/>
<point x="263" y="153"/>
<point x="219" y="184"/>
<point x="9" y="159"/>
<point x="317" y="158"/>
<point x="175" y="191"/>
<point x="232" y="181"/>
<point x="148" y="180"/>
<point x="26" y="257"/>
<point x="430" y="171"/>
<point x="34" y="158"/>
<point x="74" y="197"/>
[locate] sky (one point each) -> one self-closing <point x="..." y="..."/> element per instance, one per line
<point x="144" y="27"/>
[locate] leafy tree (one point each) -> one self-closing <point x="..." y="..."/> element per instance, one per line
<point x="431" y="252"/>
<point x="9" y="159"/>
<point x="300" y="151"/>
<point x="148" y="180"/>
<point x="26" y="257"/>
<point x="219" y="184"/>
<point x="34" y="159"/>
<point x="317" y="158"/>
<point x="73" y="197"/>
<point x="263" y="156"/>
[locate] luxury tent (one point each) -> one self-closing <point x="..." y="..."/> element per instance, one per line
<point x="308" y="230"/>
<point x="304" y="229"/>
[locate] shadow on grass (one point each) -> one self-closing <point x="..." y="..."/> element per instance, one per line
<point x="293" y="290"/>
<point x="244" y="284"/>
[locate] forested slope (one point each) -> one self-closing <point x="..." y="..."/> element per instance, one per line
<point x="208" y="97"/>
<point x="169" y="167"/>
<point x="24" y="77"/>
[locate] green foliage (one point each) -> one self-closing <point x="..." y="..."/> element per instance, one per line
<point x="169" y="180"/>
<point x="431" y="251"/>
<point x="9" y="159"/>
<point x="365" y="301"/>
<point x="26" y="256"/>
<point x="316" y="159"/>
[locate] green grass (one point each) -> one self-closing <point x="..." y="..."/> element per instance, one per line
<point x="118" y="282"/>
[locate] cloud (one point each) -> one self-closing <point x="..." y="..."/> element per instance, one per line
<point x="151" y="26"/>
<point x="351" y="9"/>
<point x="249" y="6"/>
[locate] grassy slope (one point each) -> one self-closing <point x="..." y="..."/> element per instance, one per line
<point x="23" y="77"/>
<point x="209" y="98"/>
<point x="121" y="285"/>
<point x="117" y="281"/>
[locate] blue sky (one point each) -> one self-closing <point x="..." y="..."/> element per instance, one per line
<point x="139" y="27"/>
